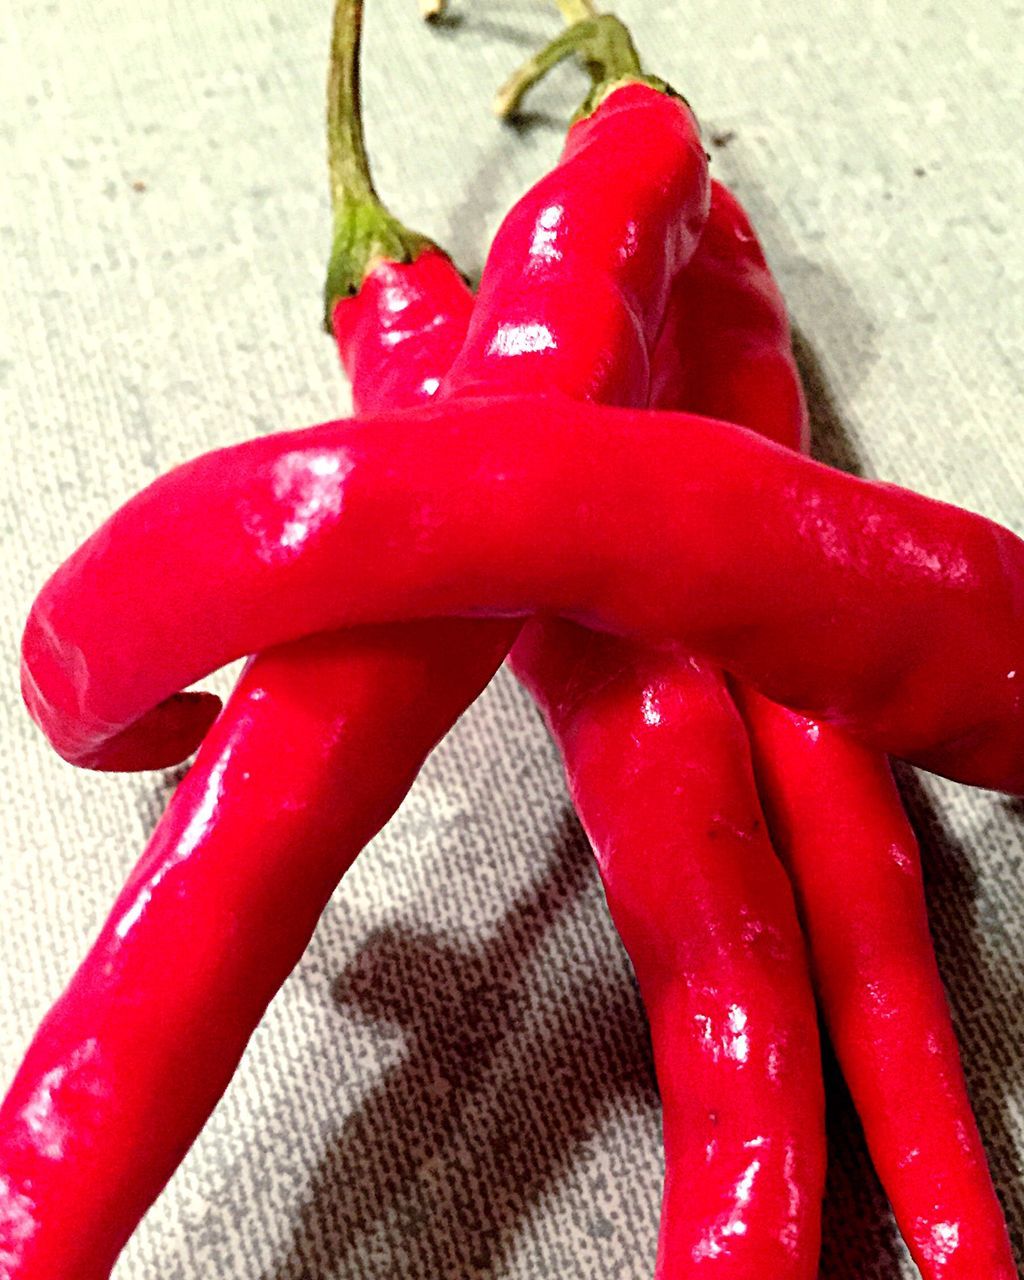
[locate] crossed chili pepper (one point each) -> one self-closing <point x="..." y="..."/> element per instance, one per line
<point x="486" y="475"/>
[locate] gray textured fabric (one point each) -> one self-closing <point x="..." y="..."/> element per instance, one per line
<point x="456" y="1082"/>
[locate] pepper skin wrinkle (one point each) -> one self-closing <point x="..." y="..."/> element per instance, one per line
<point x="320" y="741"/>
<point x="855" y="602"/>
<point x="837" y="819"/>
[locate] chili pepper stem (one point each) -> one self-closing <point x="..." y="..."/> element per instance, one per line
<point x="364" y="230"/>
<point x="602" y="43"/>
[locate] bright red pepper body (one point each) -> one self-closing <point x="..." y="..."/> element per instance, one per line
<point x="577" y="281"/>
<point x="897" y="616"/>
<point x="134" y="1055"/>
<point x="839" y="824"/>
<point x="658" y="765"/>
<point x="659" y="770"/>
<point x="837" y="819"/>
<point x="315" y="749"/>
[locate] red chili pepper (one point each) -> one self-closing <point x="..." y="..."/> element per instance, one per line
<point x="638" y="175"/>
<point x="836" y="814"/>
<point x="735" y="1032"/>
<point x="845" y="598"/>
<point x="659" y="770"/>
<point x="726" y="343"/>
<point x="284" y="792"/>
<point x="316" y="747"/>
<point x="837" y="819"/>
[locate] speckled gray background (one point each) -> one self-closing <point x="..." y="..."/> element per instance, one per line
<point x="456" y="1082"/>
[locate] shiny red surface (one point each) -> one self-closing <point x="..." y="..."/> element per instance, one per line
<point x="837" y="819"/>
<point x="839" y="825"/>
<point x="893" y="615"/>
<point x="577" y="279"/>
<point x="74" y="1083"/>
<point x="659" y="769"/>
<point x="315" y="749"/>
<point x="658" y="765"/>
<point x="132" y="1058"/>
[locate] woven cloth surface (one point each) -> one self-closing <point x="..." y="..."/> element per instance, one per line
<point x="456" y="1082"/>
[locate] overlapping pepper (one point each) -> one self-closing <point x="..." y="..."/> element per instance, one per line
<point x="511" y="493"/>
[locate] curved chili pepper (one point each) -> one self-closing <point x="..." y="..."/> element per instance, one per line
<point x="638" y="175"/>
<point x="317" y="746"/>
<point x="134" y="1055"/>
<point x="837" y="818"/>
<point x="658" y="766"/>
<point x="838" y="596"/>
<point x="659" y="769"/>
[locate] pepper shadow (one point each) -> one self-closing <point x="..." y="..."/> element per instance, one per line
<point x="440" y="1167"/>
<point x="831" y="441"/>
<point x="487" y="193"/>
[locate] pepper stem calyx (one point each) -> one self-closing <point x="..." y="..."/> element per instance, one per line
<point x="364" y="230"/>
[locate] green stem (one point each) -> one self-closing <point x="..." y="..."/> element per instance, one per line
<point x="365" y="232"/>
<point x="603" y="44"/>
<point x="574" y="11"/>
<point x="347" y="162"/>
